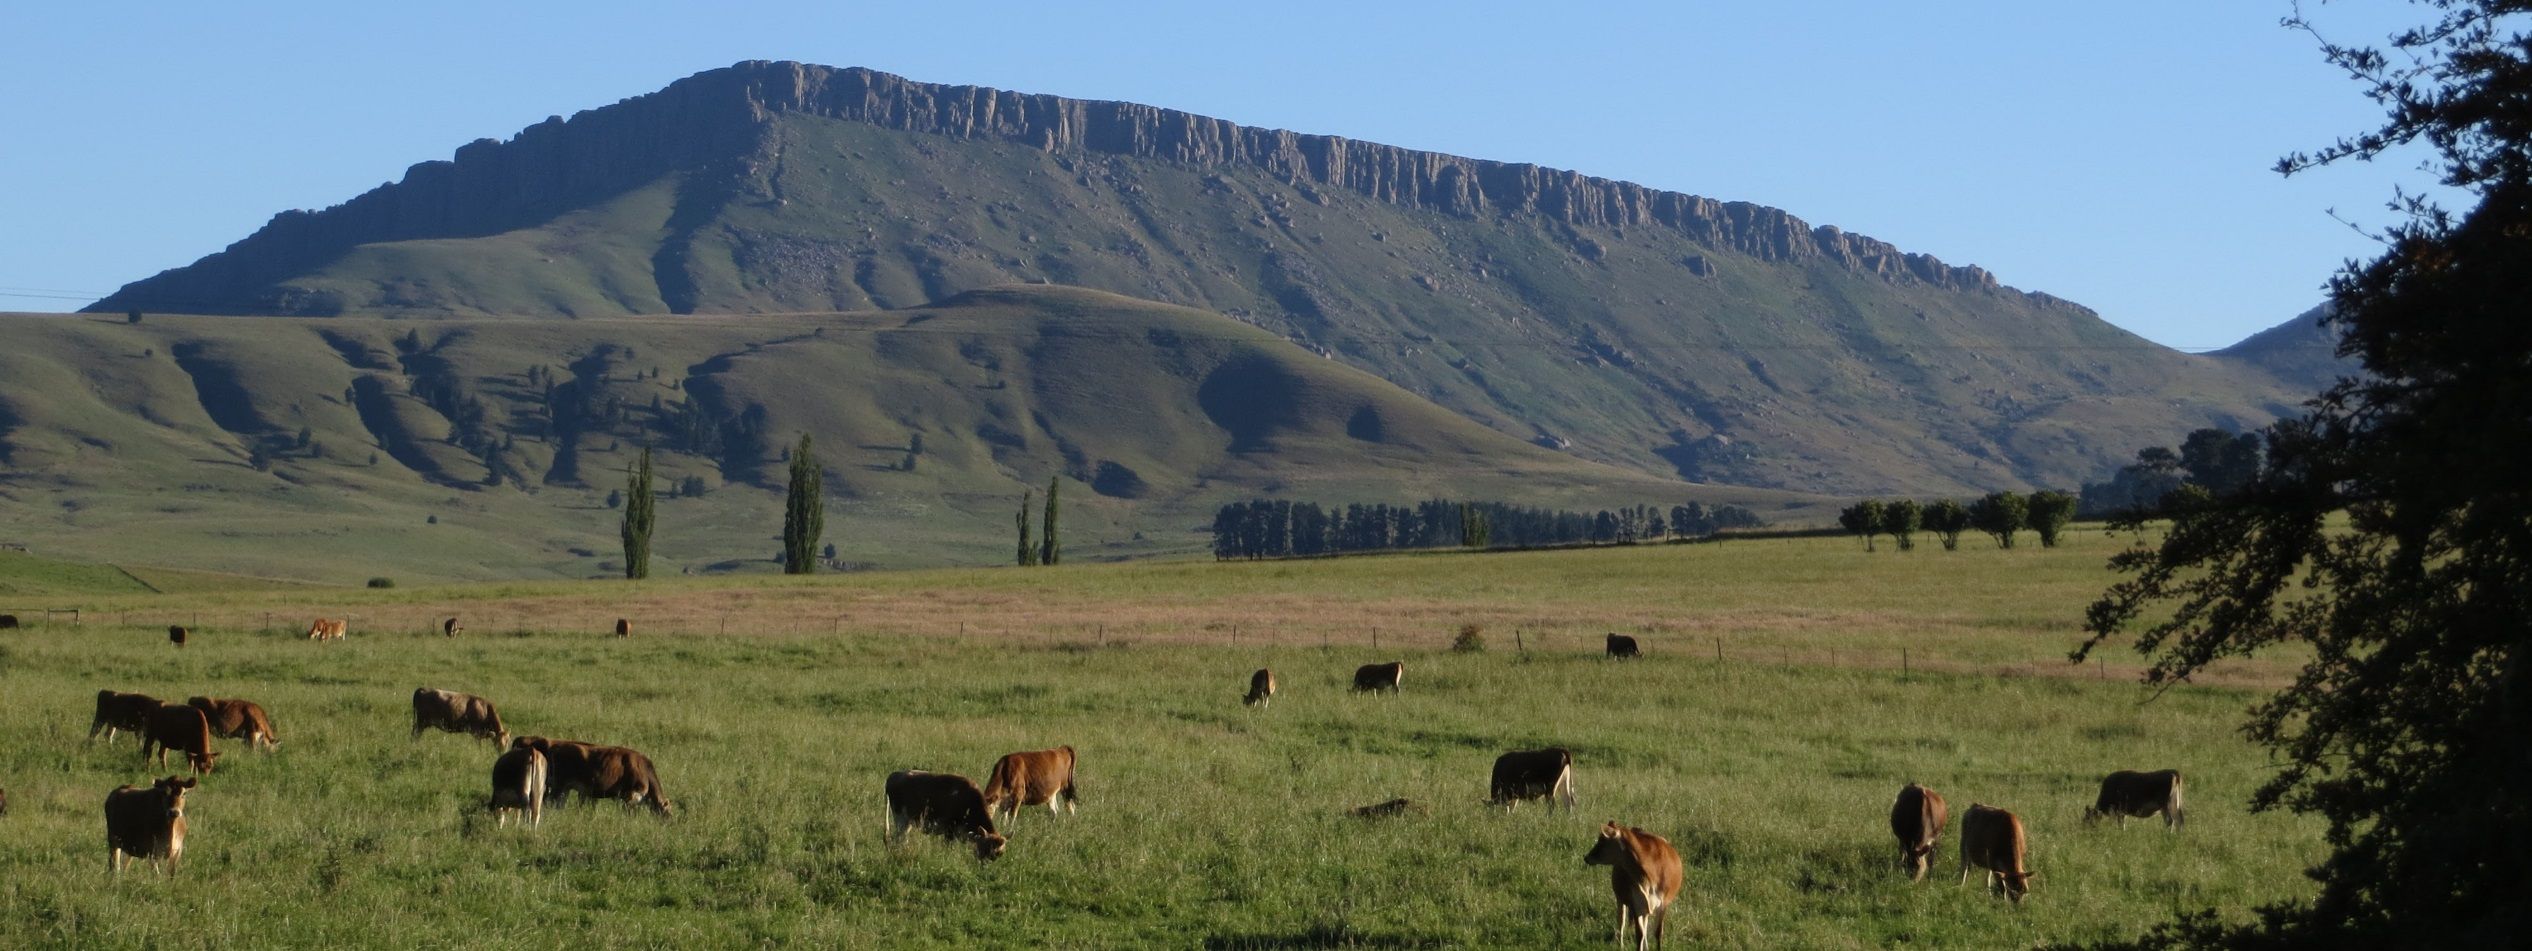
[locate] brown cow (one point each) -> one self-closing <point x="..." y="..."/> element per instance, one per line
<point x="237" y="720"/>
<point x="457" y="713"/>
<point x="2127" y="793"/>
<point x="617" y="772"/>
<point x="569" y="765"/>
<point x="120" y="711"/>
<point x="176" y="634"/>
<point x="944" y="804"/>
<point x="1261" y="688"/>
<point x="1533" y="774"/>
<point x="623" y="627"/>
<point x="1379" y="677"/>
<point x="180" y="728"/>
<point x="1917" y="818"/>
<point x="1992" y="839"/>
<point x="1394" y="807"/>
<point x="147" y="823"/>
<point x="449" y="628"/>
<point x="1644" y="873"/>
<point x="1621" y="645"/>
<point x="1027" y="779"/>
<point x="327" y="629"/>
<point x="518" y="785"/>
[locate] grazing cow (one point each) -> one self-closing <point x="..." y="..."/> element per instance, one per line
<point x="8" y="622"/>
<point x="944" y="804"/>
<point x="623" y="627"/>
<point x="326" y="629"/>
<point x="147" y="823"/>
<point x="1379" y="677"/>
<point x="518" y="785"/>
<point x="120" y="711"/>
<point x="616" y="772"/>
<point x="1027" y="779"/>
<point x="1644" y="872"/>
<point x="1917" y="818"/>
<point x="2127" y="793"/>
<point x="1533" y="774"/>
<point x="1621" y="645"/>
<point x="457" y="713"/>
<point x="176" y="634"/>
<point x="1261" y="688"/>
<point x="1992" y="839"/>
<point x="449" y="628"/>
<point x="569" y="765"/>
<point x="237" y="720"/>
<point x="1394" y="807"/>
<point x="180" y="728"/>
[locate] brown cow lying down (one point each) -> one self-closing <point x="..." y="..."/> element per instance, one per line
<point x="1916" y="819"/>
<point x="518" y="786"/>
<point x="1031" y="778"/>
<point x="1378" y="677"/>
<point x="457" y="713"/>
<point x="237" y="720"/>
<point x="2129" y="794"/>
<point x="598" y="772"/>
<point x="1261" y="688"/>
<point x="147" y="823"/>
<point x="944" y="804"/>
<point x="1992" y="839"/>
<point x="1533" y="774"/>
<point x="120" y="711"/>
<point x="1644" y="872"/>
<point x="180" y="728"/>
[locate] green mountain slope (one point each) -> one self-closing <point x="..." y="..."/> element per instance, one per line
<point x="1671" y="334"/>
<point x="485" y="448"/>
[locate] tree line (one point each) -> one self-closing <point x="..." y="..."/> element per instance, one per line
<point x="2220" y="463"/>
<point x="1999" y="515"/>
<point x="1276" y="528"/>
<point x="803" y="519"/>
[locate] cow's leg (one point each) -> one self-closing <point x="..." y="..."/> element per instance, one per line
<point x="114" y="860"/>
<point x="417" y="728"/>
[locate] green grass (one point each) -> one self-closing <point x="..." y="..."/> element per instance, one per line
<point x="1204" y="824"/>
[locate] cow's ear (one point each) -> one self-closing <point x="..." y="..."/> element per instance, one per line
<point x="187" y="783"/>
<point x="1609" y="830"/>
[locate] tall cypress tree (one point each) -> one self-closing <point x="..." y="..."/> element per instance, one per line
<point x="803" y="512"/>
<point x="1050" y="553"/>
<point x="639" y="518"/>
<point x="1028" y="551"/>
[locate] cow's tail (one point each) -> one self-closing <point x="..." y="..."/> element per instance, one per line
<point x="2179" y="812"/>
<point x="1564" y="790"/>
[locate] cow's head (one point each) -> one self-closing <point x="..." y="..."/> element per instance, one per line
<point x="201" y="762"/>
<point x="1914" y="859"/>
<point x="989" y="844"/>
<point x="1611" y="849"/>
<point x="2015" y="884"/>
<point x="171" y="793"/>
<point x="500" y="736"/>
<point x="2092" y="814"/>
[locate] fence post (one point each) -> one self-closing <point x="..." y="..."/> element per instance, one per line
<point x="1375" y="639"/>
<point x="1903" y="664"/>
<point x="1718" y="650"/>
<point x="1517" y="647"/>
<point x="725" y="624"/>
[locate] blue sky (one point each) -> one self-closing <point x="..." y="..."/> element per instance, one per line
<point x="2114" y="154"/>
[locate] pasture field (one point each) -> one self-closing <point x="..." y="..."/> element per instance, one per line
<point x="1203" y="823"/>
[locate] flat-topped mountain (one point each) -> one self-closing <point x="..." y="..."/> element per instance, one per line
<point x="1673" y="334"/>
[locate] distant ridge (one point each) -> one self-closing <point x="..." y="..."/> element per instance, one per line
<point x="1683" y="337"/>
<point x="494" y="186"/>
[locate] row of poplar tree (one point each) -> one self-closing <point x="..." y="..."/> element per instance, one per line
<point x="1275" y="528"/>
<point x="803" y="514"/>
<point x="1999" y="515"/>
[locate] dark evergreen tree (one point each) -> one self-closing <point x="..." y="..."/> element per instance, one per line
<point x="1049" y="552"/>
<point x="1028" y="551"/>
<point x="803" y="511"/>
<point x="639" y="518"/>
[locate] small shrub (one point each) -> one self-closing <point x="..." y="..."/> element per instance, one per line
<point x="1471" y="640"/>
<point x="382" y="582"/>
<point x="132" y="317"/>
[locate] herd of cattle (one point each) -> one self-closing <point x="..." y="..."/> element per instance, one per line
<point x="532" y="771"/>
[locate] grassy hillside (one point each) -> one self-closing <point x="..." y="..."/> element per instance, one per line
<point x="135" y="443"/>
<point x="1732" y="351"/>
<point x="1203" y="823"/>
